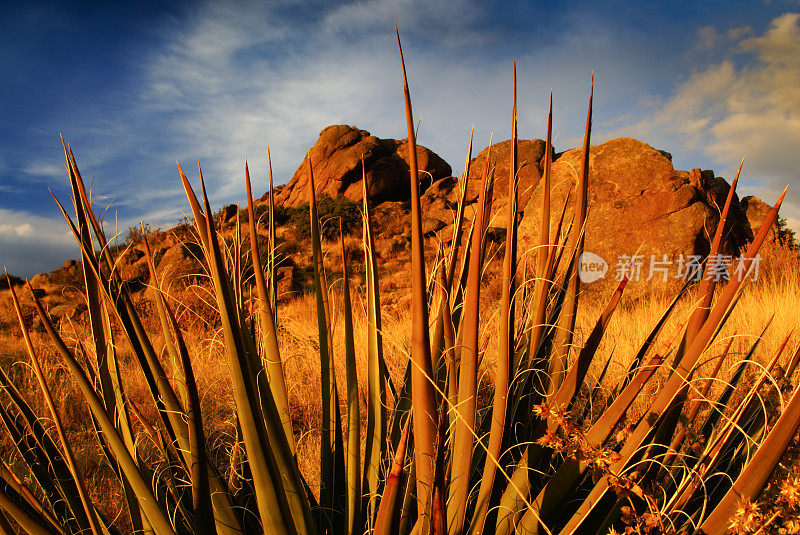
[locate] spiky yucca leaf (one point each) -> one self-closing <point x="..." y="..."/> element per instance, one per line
<point x="425" y="414"/>
<point x="375" y="448"/>
<point x="266" y="316"/>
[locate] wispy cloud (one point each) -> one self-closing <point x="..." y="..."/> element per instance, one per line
<point x="280" y="80"/>
<point x="739" y="106"/>
<point x="30" y="244"/>
<point x="218" y="81"/>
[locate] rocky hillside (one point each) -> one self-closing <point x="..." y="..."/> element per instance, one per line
<point x="638" y="200"/>
<point x="638" y="203"/>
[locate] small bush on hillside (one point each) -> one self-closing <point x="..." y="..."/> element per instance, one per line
<point x="330" y="212"/>
<point x="786" y="234"/>
<point x="15" y="281"/>
<point x="135" y="234"/>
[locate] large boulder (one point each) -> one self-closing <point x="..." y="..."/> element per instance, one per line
<point x="530" y="157"/>
<point x="755" y="211"/>
<point x="336" y="159"/>
<point x="638" y="203"/>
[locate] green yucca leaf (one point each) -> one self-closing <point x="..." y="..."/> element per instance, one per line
<point x="281" y="501"/>
<point x="514" y="499"/>
<point x="651" y="337"/>
<point x="22" y="517"/>
<point x="754" y="477"/>
<point x="695" y="406"/>
<point x="92" y="284"/>
<point x="710" y="423"/>
<point x="440" y="298"/>
<point x="354" y="526"/>
<point x="24" y="498"/>
<point x="161" y="390"/>
<point x="333" y="489"/>
<point x="563" y="338"/>
<point x="272" y="269"/>
<point x="375" y="447"/>
<point x="702" y="464"/>
<point x="577" y="372"/>
<point x="557" y="489"/>
<point x="792" y="365"/>
<point x="677" y="381"/>
<point x="35" y="455"/>
<point x="735" y="440"/>
<point x="708" y="283"/>
<point x="390" y="503"/>
<point x="425" y="415"/>
<point x="505" y="353"/>
<point x="267" y="324"/>
<point x="458" y="223"/>
<point x="89" y="517"/>
<point x="545" y="252"/>
<point x="147" y="501"/>
<point x="465" y="409"/>
<point x="203" y="515"/>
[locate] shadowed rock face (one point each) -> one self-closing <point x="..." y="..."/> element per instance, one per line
<point x="336" y="159"/>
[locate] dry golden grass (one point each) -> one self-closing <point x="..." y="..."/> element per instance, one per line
<point x="776" y="293"/>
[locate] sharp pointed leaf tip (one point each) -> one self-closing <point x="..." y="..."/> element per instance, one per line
<point x="783" y="194"/>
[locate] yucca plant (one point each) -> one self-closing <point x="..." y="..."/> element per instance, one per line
<point x="534" y="460"/>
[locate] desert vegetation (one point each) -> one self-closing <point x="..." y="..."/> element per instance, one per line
<point x="479" y="389"/>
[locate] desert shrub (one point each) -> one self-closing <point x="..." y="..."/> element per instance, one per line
<point x="15" y="281"/>
<point x="786" y="234"/>
<point x="134" y="235"/>
<point x="330" y="212"/>
<point x="282" y="214"/>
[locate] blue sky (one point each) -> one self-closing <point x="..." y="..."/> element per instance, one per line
<point x="135" y="88"/>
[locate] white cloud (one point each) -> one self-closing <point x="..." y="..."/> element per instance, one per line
<point x="343" y="68"/>
<point x="30" y="243"/>
<point x="279" y="81"/>
<point x="45" y="169"/>
<point x="747" y="104"/>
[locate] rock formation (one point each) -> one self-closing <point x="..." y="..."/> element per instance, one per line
<point x="638" y="202"/>
<point x="336" y="157"/>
